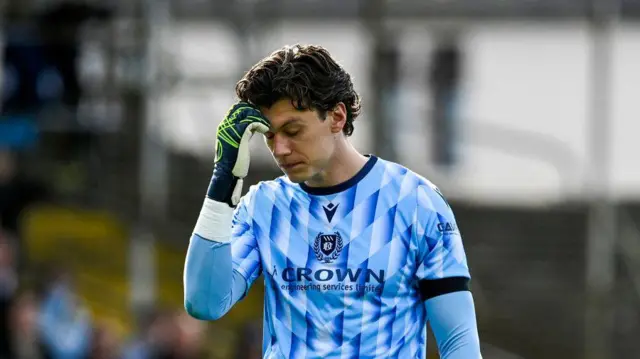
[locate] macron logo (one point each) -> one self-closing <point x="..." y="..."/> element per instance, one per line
<point x="330" y="210"/>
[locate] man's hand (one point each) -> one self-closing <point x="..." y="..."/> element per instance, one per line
<point x="232" y="152"/>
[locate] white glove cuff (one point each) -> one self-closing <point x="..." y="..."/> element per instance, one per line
<point x="214" y="222"/>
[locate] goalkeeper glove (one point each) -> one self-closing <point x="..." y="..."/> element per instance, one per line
<point x="231" y="163"/>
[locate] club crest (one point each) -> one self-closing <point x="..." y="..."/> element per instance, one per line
<point x="327" y="247"/>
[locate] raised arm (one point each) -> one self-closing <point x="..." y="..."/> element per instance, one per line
<point x="223" y="260"/>
<point x="211" y="285"/>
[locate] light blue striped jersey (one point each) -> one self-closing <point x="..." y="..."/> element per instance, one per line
<point x="347" y="268"/>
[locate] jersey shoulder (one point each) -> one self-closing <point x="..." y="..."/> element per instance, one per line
<point x="402" y="173"/>
<point x="270" y="190"/>
<point x="427" y="194"/>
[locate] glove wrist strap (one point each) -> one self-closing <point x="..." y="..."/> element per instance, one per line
<point x="222" y="187"/>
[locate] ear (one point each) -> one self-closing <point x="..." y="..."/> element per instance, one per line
<point x="338" y="117"/>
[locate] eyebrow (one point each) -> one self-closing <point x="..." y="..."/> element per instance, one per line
<point x="290" y="121"/>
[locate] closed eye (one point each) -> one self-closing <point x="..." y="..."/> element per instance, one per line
<point x="292" y="131"/>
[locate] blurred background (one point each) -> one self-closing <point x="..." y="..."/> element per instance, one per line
<point x="524" y="112"/>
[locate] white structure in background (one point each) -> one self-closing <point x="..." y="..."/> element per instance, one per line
<point x="524" y="108"/>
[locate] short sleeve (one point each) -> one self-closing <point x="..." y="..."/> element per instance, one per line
<point x="244" y="246"/>
<point x="441" y="253"/>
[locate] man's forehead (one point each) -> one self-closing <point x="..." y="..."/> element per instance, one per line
<point x="279" y="116"/>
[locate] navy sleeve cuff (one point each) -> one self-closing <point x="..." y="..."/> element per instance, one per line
<point x="430" y="288"/>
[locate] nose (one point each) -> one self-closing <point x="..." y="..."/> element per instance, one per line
<point x="280" y="146"/>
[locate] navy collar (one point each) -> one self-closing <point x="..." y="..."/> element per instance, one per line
<point x="323" y="191"/>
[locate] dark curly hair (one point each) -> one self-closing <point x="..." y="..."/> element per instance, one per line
<point x="305" y="74"/>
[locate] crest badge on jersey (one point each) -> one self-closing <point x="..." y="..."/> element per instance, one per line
<point x="327" y="246"/>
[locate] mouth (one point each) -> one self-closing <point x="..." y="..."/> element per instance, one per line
<point x="290" y="166"/>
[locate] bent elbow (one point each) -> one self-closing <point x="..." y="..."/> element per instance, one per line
<point x="199" y="309"/>
<point x="201" y="312"/>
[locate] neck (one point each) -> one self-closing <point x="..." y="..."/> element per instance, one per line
<point x="343" y="165"/>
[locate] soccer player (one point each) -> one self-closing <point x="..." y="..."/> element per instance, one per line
<point x="357" y="252"/>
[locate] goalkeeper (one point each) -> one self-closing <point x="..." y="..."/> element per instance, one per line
<point x="357" y="253"/>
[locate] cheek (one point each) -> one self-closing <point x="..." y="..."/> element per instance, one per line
<point x="316" y="149"/>
<point x="309" y="145"/>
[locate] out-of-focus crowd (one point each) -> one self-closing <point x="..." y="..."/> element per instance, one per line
<point x="41" y="317"/>
<point x="47" y="320"/>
